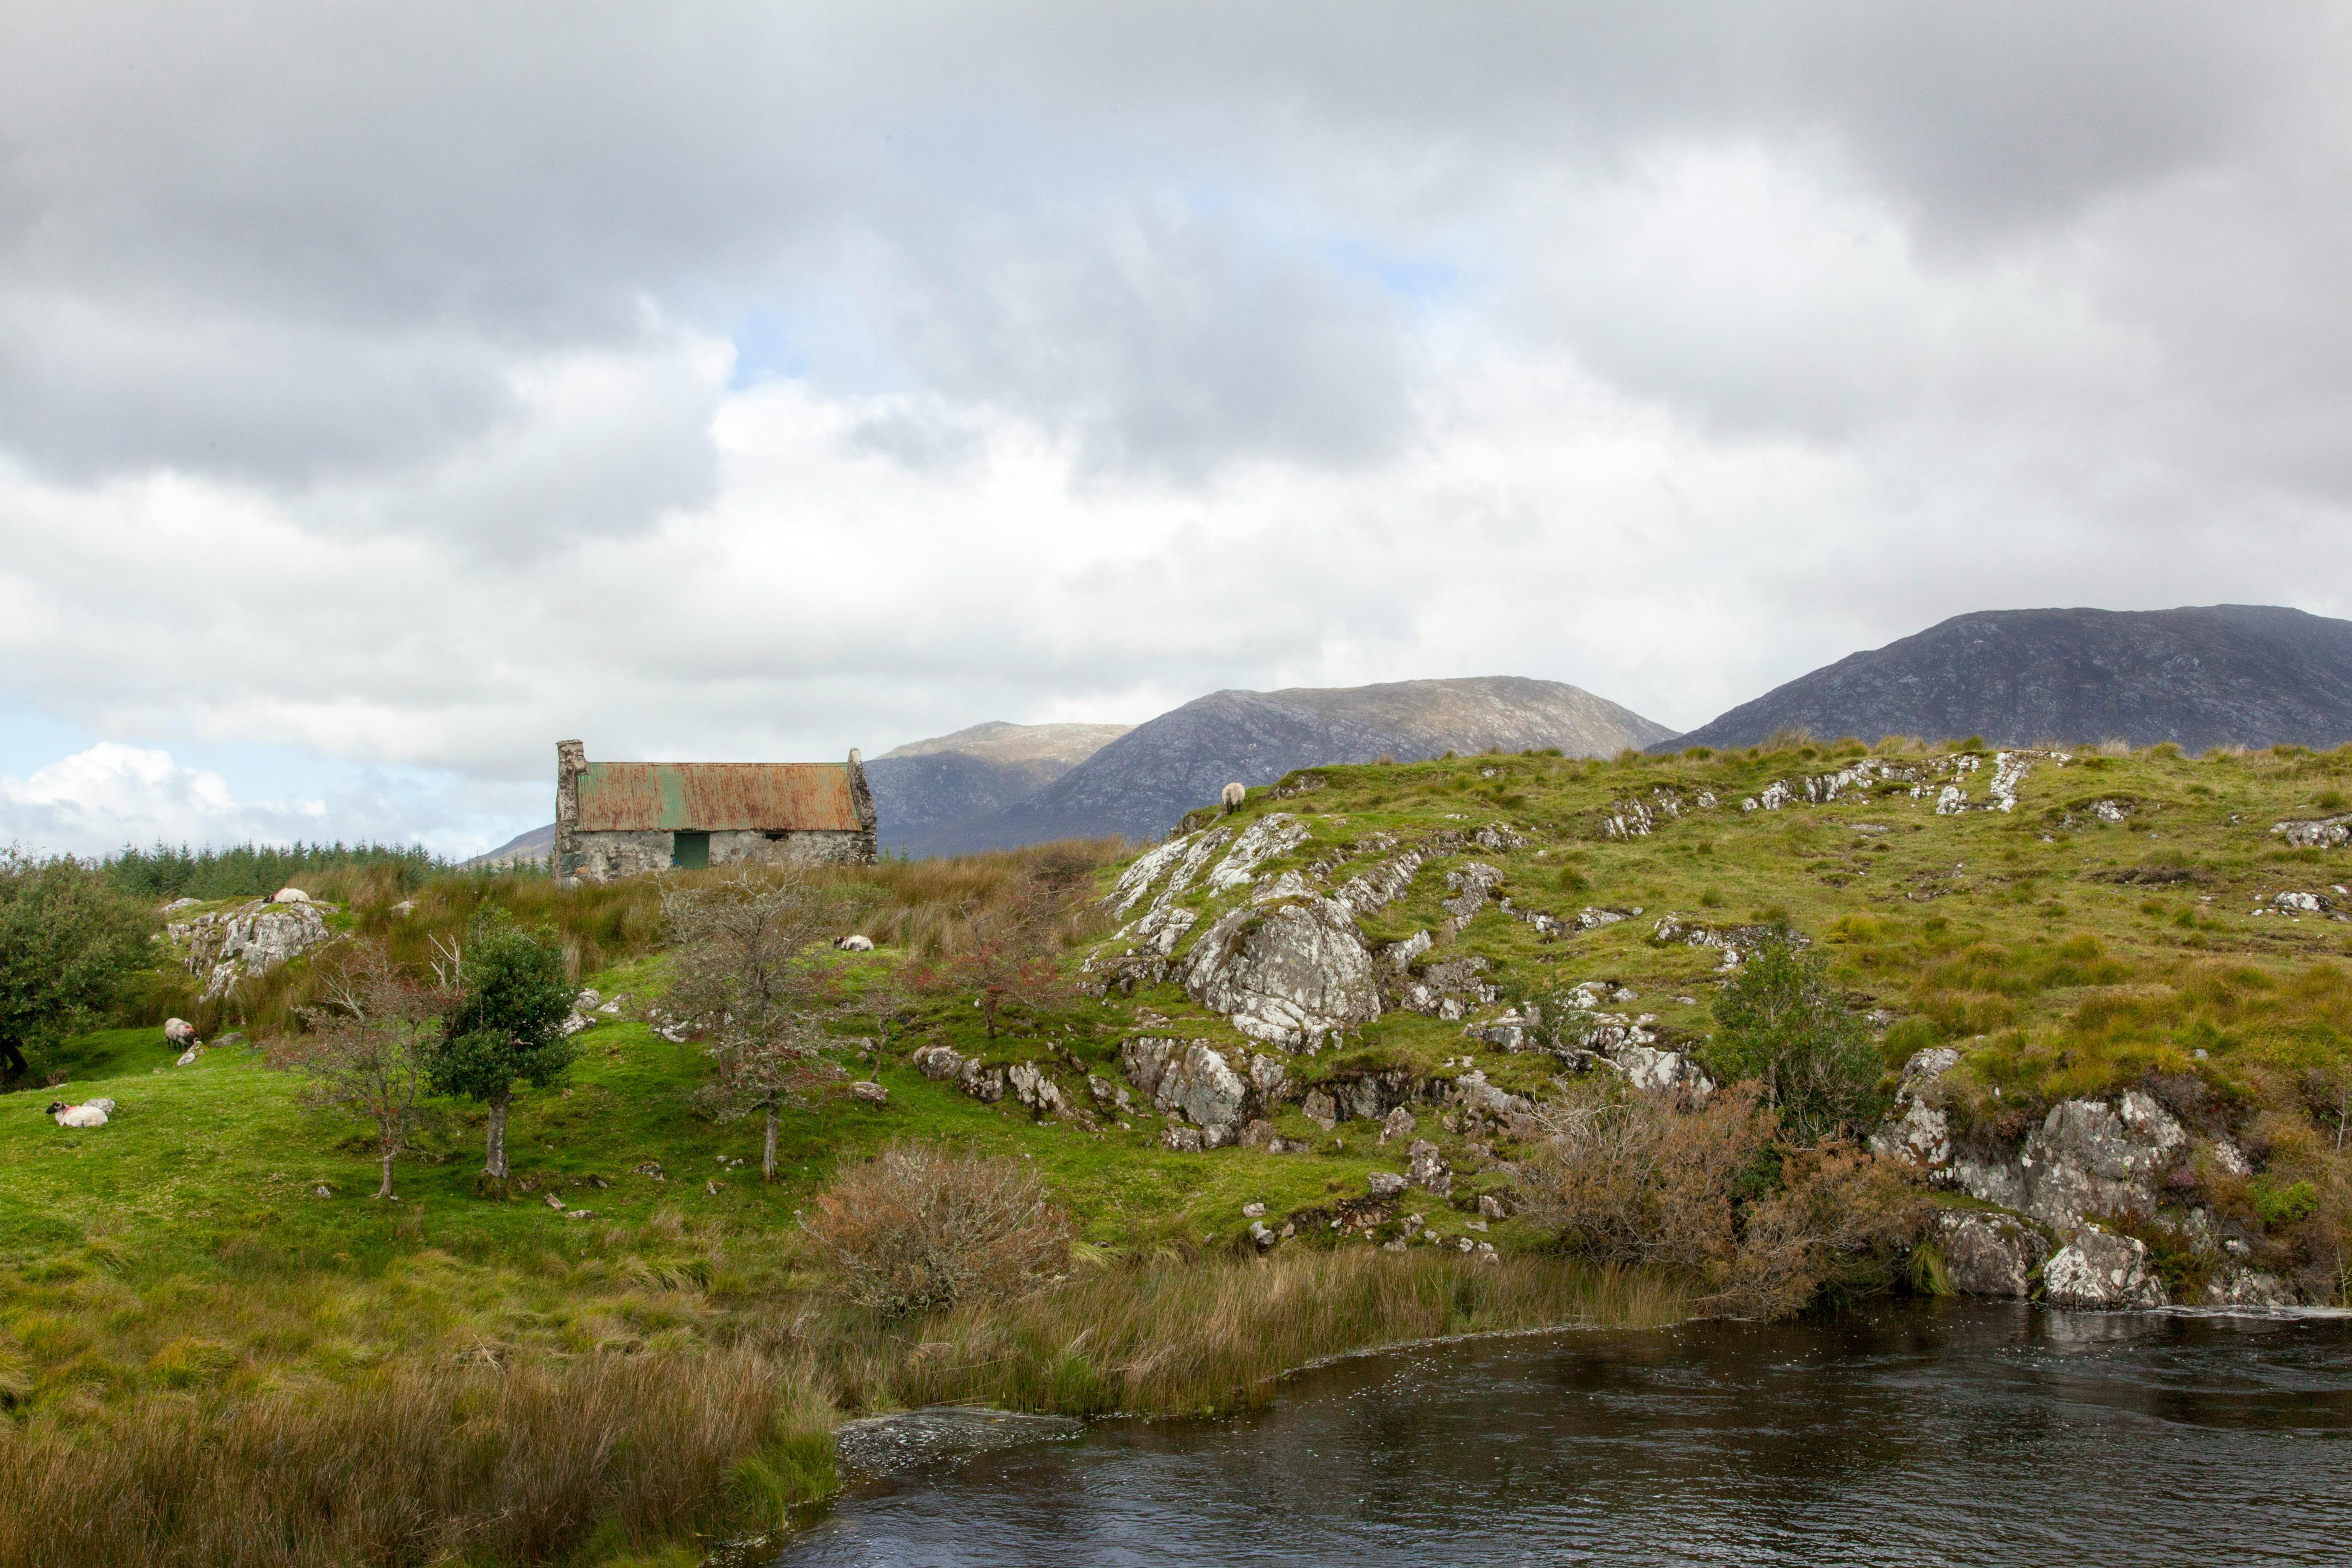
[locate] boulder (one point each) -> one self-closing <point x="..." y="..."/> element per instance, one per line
<point x="1183" y="1139"/>
<point x="1286" y="976"/>
<point x="2237" y="1287"/>
<point x="870" y="1092"/>
<point x="1398" y="1123"/>
<point x="1384" y="1183"/>
<point x="1661" y="1072"/>
<point x="1491" y="1208"/>
<point x="1473" y="1092"/>
<point x="1428" y="1170"/>
<point x="2087" y="1158"/>
<point x="1921" y="1139"/>
<point x="1990" y="1254"/>
<point x="1190" y="1078"/>
<point x="1320" y="1108"/>
<point x="2099" y="1269"/>
<point x="1033" y="1088"/>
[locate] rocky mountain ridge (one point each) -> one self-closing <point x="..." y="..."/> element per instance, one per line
<point x="2246" y="675"/>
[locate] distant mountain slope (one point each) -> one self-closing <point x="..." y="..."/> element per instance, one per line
<point x="2224" y="674"/>
<point x="534" y="845"/>
<point x="1139" y="784"/>
<point x="924" y="790"/>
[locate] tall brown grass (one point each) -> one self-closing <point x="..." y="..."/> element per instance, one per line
<point x="471" y="1461"/>
<point x="481" y="1464"/>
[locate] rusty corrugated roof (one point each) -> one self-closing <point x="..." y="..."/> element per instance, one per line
<point x="760" y="797"/>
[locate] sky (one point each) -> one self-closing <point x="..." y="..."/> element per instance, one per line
<point x="390" y="391"/>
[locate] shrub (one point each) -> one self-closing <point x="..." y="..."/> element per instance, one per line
<point x="2278" y="1206"/>
<point x="67" y="942"/>
<point x="917" y="1229"/>
<point x="506" y="1023"/>
<point x="1622" y="1178"/>
<point x="1780" y="1024"/>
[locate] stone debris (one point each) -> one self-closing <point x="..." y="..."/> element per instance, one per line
<point x="1498" y="837"/>
<point x="652" y="1168"/>
<point x="2318" y="833"/>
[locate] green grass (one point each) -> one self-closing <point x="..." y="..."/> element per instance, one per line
<point x="184" y="1251"/>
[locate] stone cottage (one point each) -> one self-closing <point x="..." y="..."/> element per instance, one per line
<point x="623" y="819"/>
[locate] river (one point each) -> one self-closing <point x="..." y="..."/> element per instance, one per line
<point x="1927" y="1433"/>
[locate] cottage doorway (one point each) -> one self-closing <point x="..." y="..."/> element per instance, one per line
<point x="690" y="851"/>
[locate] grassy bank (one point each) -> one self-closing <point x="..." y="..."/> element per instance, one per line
<point x="466" y="1456"/>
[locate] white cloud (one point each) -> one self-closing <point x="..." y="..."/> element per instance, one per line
<point x="112" y="794"/>
<point x="786" y="387"/>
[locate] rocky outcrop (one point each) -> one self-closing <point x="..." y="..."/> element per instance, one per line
<point x="1219" y="1095"/>
<point x="1278" y="832"/>
<point x="2099" y="1268"/>
<point x="1990" y="1254"/>
<point x="1289" y="975"/>
<point x="251" y="940"/>
<point x="945" y="1064"/>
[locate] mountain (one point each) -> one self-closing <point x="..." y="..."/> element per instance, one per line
<point x="925" y="790"/>
<point x="534" y="846"/>
<point x="2249" y="674"/>
<point x="1139" y="784"/>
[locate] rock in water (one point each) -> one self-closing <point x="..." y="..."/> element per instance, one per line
<point x="2101" y="1268"/>
<point x="1288" y="975"/>
<point x="1990" y="1254"/>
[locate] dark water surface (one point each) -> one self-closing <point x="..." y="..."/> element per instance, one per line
<point x="1935" y="1434"/>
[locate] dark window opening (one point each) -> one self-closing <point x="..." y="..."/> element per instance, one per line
<point x="690" y="851"/>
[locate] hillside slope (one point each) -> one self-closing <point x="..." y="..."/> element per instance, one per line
<point x="2246" y="675"/>
<point x="1139" y="784"/>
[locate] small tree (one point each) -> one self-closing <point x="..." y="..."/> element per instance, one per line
<point x="505" y="1024"/>
<point x="747" y="976"/>
<point x="370" y="1042"/>
<point x="67" y="942"/>
<point x="1780" y="1023"/>
<point x="1012" y="956"/>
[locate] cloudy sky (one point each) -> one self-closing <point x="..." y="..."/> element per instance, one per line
<point x="388" y="391"/>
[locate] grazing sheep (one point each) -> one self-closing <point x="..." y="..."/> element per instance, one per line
<point x="180" y="1033"/>
<point x="856" y="945"/>
<point x="77" y="1115"/>
<point x="1234" y="796"/>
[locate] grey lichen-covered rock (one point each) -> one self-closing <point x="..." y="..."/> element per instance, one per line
<point x="1033" y="1088"/>
<point x="1658" y="1071"/>
<point x="1320" y="1108"/>
<point x="1183" y="1139"/>
<point x="1384" y="1183"/>
<point x="1990" y="1254"/>
<point x="870" y="1092"/>
<point x="1277" y="833"/>
<point x="1398" y="1123"/>
<point x="2099" y="1268"/>
<point x="1921" y="1138"/>
<point x="1190" y="1078"/>
<point x="2089" y="1158"/>
<point x="250" y="941"/>
<point x="1428" y="1170"/>
<point x="2235" y="1287"/>
<point x="1381" y="885"/>
<point x="946" y="1065"/>
<point x="1289" y="976"/>
<point x="1473" y="1092"/>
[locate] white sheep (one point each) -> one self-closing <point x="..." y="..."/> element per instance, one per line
<point x="856" y="945"/>
<point x="180" y="1033"/>
<point x="77" y="1115"/>
<point x="1234" y="796"/>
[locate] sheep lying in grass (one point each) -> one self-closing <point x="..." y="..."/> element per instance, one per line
<point x="91" y="1115"/>
<point x="1235" y="794"/>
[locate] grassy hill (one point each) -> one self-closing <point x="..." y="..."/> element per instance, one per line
<point x="211" y="1262"/>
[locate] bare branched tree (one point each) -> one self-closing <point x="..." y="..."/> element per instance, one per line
<point x="750" y="980"/>
<point x="368" y="1046"/>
